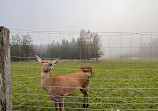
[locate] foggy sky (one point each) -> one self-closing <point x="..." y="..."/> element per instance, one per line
<point x="74" y="15"/>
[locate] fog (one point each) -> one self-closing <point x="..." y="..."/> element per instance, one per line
<point x="119" y="23"/>
<point x="113" y="44"/>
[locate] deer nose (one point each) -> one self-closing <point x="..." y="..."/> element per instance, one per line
<point x="50" y="64"/>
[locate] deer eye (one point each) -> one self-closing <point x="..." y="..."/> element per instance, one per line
<point x="50" y="64"/>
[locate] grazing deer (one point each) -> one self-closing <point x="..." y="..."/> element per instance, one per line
<point x="87" y="69"/>
<point x="58" y="87"/>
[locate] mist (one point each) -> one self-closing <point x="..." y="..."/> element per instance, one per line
<point x="114" y="45"/>
<point x="121" y="24"/>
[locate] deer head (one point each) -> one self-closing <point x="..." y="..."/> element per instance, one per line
<point x="47" y="65"/>
<point x="79" y="66"/>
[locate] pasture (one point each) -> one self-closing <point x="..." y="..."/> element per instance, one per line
<point x="117" y="84"/>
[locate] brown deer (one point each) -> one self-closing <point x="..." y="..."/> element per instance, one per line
<point x="58" y="87"/>
<point x="87" y="69"/>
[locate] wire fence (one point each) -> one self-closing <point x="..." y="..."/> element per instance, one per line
<point x="125" y="76"/>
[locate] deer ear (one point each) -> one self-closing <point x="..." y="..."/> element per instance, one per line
<point x="38" y="58"/>
<point x="55" y="61"/>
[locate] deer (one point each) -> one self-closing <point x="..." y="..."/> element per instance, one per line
<point x="58" y="87"/>
<point x="86" y="69"/>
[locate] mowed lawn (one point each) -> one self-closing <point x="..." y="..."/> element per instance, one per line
<point x="117" y="84"/>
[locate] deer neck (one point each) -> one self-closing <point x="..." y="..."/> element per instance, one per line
<point x="45" y="79"/>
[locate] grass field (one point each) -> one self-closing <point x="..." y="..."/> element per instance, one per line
<point x="118" y="84"/>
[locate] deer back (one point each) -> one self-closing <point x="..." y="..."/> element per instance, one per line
<point x="68" y="84"/>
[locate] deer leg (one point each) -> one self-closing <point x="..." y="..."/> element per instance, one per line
<point x="61" y="104"/>
<point x="85" y="93"/>
<point x="93" y="73"/>
<point x="57" y="105"/>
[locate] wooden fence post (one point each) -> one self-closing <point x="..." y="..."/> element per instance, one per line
<point x="5" y="73"/>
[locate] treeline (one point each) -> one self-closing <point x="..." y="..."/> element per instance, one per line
<point x="86" y="46"/>
<point x="21" y="47"/>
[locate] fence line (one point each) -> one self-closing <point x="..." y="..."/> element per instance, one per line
<point x="88" y="97"/>
<point x="94" y="69"/>
<point x="90" y="78"/>
<point x="80" y="87"/>
<point x="77" y="32"/>
<point x="85" y="108"/>
<point x="142" y="93"/>
<point x="82" y="103"/>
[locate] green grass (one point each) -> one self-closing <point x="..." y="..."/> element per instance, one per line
<point x="118" y="84"/>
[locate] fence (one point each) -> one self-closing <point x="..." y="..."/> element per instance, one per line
<point x="125" y="79"/>
<point x="5" y="76"/>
